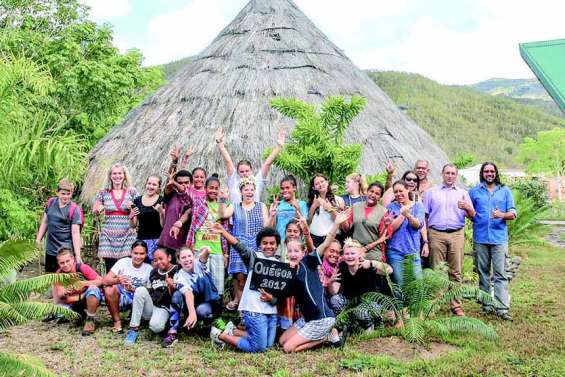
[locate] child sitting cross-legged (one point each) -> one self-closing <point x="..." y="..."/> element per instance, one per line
<point x="257" y="307"/>
<point x="196" y="295"/>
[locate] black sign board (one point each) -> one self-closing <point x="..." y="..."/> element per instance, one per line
<point x="272" y="276"/>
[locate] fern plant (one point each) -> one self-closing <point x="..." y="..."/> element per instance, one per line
<point x="417" y="303"/>
<point x="16" y="307"/>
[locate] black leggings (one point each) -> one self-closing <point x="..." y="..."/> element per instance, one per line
<point x="109" y="263"/>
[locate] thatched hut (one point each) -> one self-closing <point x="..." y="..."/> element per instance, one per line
<point x="270" y="49"/>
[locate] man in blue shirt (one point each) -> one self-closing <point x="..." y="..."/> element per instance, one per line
<point x="494" y="206"/>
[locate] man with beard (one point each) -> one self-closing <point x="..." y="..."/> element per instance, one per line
<point x="494" y="206"/>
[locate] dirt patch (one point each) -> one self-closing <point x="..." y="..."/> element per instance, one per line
<point x="404" y="351"/>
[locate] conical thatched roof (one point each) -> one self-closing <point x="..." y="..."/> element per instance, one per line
<point x="270" y="49"/>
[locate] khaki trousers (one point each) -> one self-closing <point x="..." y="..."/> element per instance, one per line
<point x="448" y="247"/>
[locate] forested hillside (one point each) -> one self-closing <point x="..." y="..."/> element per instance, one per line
<point x="462" y="120"/>
<point x="524" y="91"/>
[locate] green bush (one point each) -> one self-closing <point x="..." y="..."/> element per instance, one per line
<point x="532" y="188"/>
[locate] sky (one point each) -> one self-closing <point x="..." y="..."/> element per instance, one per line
<point x="450" y="41"/>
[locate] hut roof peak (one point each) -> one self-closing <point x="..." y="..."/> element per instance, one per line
<point x="270" y="49"/>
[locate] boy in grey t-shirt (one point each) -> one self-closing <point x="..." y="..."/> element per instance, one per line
<point x="61" y="229"/>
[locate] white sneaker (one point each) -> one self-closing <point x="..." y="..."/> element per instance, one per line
<point x="215" y="338"/>
<point x="229" y="328"/>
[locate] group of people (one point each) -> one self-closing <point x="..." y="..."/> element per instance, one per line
<point x="168" y="251"/>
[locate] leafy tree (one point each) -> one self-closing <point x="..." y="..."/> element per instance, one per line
<point x="16" y="307"/>
<point x="463" y="160"/>
<point x="317" y="143"/>
<point x="94" y="85"/>
<point x="421" y="299"/>
<point x="63" y="85"/>
<point x="545" y="154"/>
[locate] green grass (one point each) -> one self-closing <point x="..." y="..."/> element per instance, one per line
<point x="530" y="346"/>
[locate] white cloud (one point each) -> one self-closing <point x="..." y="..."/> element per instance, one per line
<point x="184" y="32"/>
<point x="108" y="9"/>
<point x="467" y="42"/>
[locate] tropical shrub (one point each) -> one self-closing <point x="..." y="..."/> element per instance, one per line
<point x="317" y="144"/>
<point x="532" y="188"/>
<point x="16" y="307"/>
<point x="526" y="229"/>
<point x="420" y="299"/>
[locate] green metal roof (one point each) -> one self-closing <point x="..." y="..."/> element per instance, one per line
<point x="547" y="60"/>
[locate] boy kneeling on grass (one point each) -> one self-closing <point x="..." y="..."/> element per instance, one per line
<point x="195" y="294"/>
<point x="84" y="297"/>
<point x="257" y="307"/>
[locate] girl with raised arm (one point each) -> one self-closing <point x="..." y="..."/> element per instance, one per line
<point x="244" y="168"/>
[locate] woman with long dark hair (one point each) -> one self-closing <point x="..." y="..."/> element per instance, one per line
<point x="323" y="207"/>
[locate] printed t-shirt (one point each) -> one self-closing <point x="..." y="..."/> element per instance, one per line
<point x="158" y="287"/>
<point x="205" y="236"/>
<point x="138" y="276"/>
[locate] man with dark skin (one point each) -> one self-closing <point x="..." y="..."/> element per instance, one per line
<point x="421" y="168"/>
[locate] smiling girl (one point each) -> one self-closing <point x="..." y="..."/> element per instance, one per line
<point x="367" y="222"/>
<point x="115" y="202"/>
<point x="147" y="214"/>
<point x="153" y="303"/>
<point x="289" y="206"/>
<point x="204" y="214"/>
<point x="409" y="218"/>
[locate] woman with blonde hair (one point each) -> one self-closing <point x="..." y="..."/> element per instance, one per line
<point x="356" y="187"/>
<point x="115" y="201"/>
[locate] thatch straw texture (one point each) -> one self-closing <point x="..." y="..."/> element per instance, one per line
<point x="270" y="49"/>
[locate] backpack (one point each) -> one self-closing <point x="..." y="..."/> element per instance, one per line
<point x="74" y="207"/>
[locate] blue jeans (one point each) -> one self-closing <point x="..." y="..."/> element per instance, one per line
<point x="204" y="311"/>
<point x="261" y="329"/>
<point x="493" y="255"/>
<point x="396" y="261"/>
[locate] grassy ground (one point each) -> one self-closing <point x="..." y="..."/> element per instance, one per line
<point x="533" y="345"/>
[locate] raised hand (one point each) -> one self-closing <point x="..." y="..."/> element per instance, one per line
<point x="189" y="152"/>
<point x="389" y="168"/>
<point x="343" y="216"/>
<point x="174" y="153"/>
<point x="281" y="137"/>
<point x="223" y="194"/>
<point x="219" y="135"/>
<point x="274" y="206"/>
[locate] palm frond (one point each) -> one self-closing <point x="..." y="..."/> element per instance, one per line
<point x="32" y="310"/>
<point x="413" y="330"/>
<point x="10" y="316"/>
<point x="458" y="293"/>
<point x="20" y="290"/>
<point x="22" y="365"/>
<point x="15" y="254"/>
<point x="466" y="325"/>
